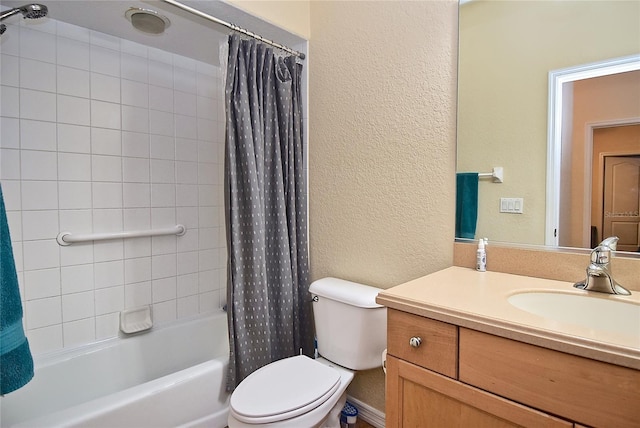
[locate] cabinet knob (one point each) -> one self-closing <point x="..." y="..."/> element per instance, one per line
<point x="415" y="341"/>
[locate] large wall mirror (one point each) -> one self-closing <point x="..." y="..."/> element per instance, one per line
<point x="509" y="53"/>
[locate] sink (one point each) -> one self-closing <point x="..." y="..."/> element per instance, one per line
<point x="610" y="315"/>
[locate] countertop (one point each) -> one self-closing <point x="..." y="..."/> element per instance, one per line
<point x="478" y="300"/>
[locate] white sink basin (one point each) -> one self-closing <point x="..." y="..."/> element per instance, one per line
<point x="591" y="311"/>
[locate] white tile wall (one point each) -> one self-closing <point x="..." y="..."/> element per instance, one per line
<point x="100" y="134"/>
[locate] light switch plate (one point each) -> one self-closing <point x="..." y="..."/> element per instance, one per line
<point x="512" y="205"/>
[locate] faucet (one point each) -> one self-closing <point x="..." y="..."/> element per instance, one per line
<point x="599" y="270"/>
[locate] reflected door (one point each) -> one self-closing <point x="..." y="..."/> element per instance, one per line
<point x="621" y="197"/>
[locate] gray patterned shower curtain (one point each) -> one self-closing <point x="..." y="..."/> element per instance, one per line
<point x="268" y="303"/>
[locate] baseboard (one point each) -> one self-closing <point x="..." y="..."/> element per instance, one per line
<point x="367" y="413"/>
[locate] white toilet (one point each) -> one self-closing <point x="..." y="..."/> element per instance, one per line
<point x="304" y="393"/>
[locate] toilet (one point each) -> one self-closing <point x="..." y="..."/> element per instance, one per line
<point x="300" y="392"/>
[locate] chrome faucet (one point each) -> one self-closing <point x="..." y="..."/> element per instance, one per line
<point x="599" y="270"/>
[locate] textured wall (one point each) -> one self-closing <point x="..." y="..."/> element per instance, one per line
<point x="382" y="114"/>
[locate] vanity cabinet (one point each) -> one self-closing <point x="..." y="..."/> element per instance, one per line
<point x="459" y="377"/>
<point x="420" y="398"/>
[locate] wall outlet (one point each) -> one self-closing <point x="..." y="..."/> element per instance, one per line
<point x="512" y="205"/>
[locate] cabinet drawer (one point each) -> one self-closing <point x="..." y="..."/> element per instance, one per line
<point x="587" y="391"/>
<point x="439" y="341"/>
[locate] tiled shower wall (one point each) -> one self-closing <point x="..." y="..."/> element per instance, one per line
<point x="100" y="134"/>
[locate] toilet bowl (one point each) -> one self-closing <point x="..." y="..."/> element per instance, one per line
<point x="300" y="392"/>
<point x="296" y="392"/>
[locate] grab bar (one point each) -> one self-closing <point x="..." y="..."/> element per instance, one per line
<point x="66" y="238"/>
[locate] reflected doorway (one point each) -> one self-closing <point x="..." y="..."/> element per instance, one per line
<point x="616" y="186"/>
<point x="568" y="213"/>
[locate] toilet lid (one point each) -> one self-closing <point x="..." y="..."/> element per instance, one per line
<point x="283" y="389"/>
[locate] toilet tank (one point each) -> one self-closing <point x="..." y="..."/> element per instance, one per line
<point x="351" y="327"/>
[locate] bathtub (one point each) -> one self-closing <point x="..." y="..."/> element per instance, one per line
<point x="171" y="376"/>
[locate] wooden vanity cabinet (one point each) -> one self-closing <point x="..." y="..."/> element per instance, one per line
<point x="497" y="382"/>
<point x="421" y="398"/>
<point x="591" y="392"/>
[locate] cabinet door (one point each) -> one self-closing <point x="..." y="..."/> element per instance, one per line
<point x="420" y="398"/>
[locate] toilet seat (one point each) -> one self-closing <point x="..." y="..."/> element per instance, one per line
<point x="283" y="389"/>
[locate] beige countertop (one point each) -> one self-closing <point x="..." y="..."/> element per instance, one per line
<point x="479" y="301"/>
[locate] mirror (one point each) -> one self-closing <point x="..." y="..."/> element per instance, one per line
<point x="507" y="51"/>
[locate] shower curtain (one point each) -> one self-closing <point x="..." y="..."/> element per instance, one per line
<point x="268" y="303"/>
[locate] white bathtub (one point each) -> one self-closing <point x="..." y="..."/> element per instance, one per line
<point x="172" y="376"/>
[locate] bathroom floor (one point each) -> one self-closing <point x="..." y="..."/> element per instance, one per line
<point x="359" y="424"/>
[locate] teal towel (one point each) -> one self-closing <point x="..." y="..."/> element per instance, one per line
<point x="466" y="204"/>
<point x="16" y="363"/>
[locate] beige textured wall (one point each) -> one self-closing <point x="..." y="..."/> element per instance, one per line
<point x="507" y="49"/>
<point x="382" y="145"/>
<point x="293" y="16"/>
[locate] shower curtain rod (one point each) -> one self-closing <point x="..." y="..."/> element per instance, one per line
<point x="233" y="27"/>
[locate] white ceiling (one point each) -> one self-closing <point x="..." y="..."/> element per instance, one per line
<point x="188" y="35"/>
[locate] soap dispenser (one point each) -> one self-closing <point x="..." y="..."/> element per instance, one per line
<point x="481" y="256"/>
